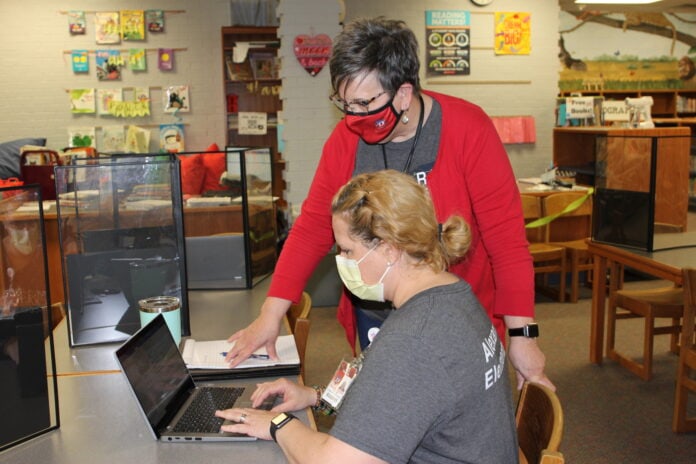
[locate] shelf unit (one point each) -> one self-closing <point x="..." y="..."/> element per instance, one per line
<point x="578" y="149"/>
<point x="254" y="86"/>
<point x="671" y="108"/>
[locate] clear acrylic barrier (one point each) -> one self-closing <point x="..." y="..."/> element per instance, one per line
<point x="28" y="385"/>
<point x="252" y="169"/>
<point x="121" y="237"/>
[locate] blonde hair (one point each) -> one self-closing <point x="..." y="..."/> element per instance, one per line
<point x="392" y="207"/>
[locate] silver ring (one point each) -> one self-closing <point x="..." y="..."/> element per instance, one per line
<point x="242" y="418"/>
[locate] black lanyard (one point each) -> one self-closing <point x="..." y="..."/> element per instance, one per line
<point x="421" y="116"/>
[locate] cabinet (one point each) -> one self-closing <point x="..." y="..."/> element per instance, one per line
<point x="671" y="107"/>
<point x="578" y="149"/>
<point x="252" y="84"/>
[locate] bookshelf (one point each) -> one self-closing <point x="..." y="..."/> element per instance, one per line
<point x="253" y="84"/>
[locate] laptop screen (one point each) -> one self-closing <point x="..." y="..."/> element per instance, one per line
<point x="155" y="370"/>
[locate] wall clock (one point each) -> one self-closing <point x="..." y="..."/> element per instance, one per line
<point x="481" y="2"/>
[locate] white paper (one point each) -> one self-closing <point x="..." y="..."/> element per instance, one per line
<point x="209" y="354"/>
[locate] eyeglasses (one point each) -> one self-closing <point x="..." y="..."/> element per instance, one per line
<point x="358" y="107"/>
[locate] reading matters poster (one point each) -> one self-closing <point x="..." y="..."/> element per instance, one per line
<point x="447" y="42"/>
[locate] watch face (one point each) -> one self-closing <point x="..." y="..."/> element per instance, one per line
<point x="277" y="420"/>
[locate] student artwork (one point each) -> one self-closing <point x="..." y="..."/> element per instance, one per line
<point x="154" y="20"/>
<point x="82" y="101"/>
<point x="137" y="140"/>
<point x="105" y="97"/>
<point x="312" y="51"/>
<point x="512" y="33"/>
<point x="172" y="138"/>
<point x="137" y="59"/>
<point x="107" y="29"/>
<point x="165" y="59"/>
<point x="113" y="139"/>
<point x="76" y="22"/>
<point x="80" y="61"/>
<point x="176" y="99"/>
<point x="81" y="137"/>
<point x="132" y="25"/>
<point x="109" y="63"/>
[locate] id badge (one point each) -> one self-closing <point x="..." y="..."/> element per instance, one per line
<point x="345" y="374"/>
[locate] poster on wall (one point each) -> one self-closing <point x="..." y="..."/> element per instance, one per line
<point x="512" y="33"/>
<point x="447" y="42"/>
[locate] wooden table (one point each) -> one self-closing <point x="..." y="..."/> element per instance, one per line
<point x="664" y="264"/>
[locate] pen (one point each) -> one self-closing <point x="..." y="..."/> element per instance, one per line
<point x="253" y="355"/>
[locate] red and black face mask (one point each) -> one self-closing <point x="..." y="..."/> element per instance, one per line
<point x="376" y="125"/>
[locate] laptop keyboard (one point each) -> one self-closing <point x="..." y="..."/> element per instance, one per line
<point x="200" y="415"/>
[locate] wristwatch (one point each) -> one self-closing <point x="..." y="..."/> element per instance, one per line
<point x="530" y="330"/>
<point x="279" y="422"/>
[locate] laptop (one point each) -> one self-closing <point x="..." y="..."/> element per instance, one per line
<point x="172" y="405"/>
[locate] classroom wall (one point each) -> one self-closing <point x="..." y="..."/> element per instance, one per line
<point x="35" y="72"/>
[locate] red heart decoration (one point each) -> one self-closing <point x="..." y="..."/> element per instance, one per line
<point x="312" y="51"/>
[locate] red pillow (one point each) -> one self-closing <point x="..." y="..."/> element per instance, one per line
<point x="192" y="174"/>
<point x="214" y="164"/>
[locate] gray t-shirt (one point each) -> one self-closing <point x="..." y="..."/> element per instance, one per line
<point x="434" y="387"/>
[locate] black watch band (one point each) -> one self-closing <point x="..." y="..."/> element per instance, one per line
<point x="279" y="422"/>
<point x="530" y="330"/>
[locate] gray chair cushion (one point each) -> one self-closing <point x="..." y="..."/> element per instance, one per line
<point x="9" y="155"/>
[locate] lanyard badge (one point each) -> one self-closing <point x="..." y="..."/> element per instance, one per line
<point x="345" y="375"/>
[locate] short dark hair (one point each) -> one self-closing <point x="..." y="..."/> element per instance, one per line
<point x="376" y="44"/>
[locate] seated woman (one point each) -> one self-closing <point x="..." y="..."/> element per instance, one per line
<point x="433" y="386"/>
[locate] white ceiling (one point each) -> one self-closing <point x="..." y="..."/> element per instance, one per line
<point x="683" y="6"/>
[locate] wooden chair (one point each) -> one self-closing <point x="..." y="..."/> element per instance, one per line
<point x="298" y="321"/>
<point x="548" y="259"/>
<point x="570" y="231"/>
<point x="667" y="302"/>
<point x="539" y="420"/>
<point x="686" y="383"/>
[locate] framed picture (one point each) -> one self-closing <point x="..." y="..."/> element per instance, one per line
<point x="263" y="66"/>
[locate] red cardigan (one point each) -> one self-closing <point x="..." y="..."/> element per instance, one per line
<point x="471" y="177"/>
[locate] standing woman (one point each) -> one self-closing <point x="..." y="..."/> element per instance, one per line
<point x="433" y="386"/>
<point x="446" y="143"/>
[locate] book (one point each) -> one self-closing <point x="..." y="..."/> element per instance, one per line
<point x="107" y="27"/>
<point x="76" y="22"/>
<point x="154" y="20"/>
<point x="132" y="25"/>
<point x="211" y="354"/>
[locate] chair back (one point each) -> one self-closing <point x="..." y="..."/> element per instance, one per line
<point x="573" y="225"/>
<point x="682" y="420"/>
<point x="298" y="320"/>
<point x="531" y="210"/>
<point x="539" y="420"/>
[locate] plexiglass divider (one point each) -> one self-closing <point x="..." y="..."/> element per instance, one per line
<point x="28" y="383"/>
<point x="120" y="222"/>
